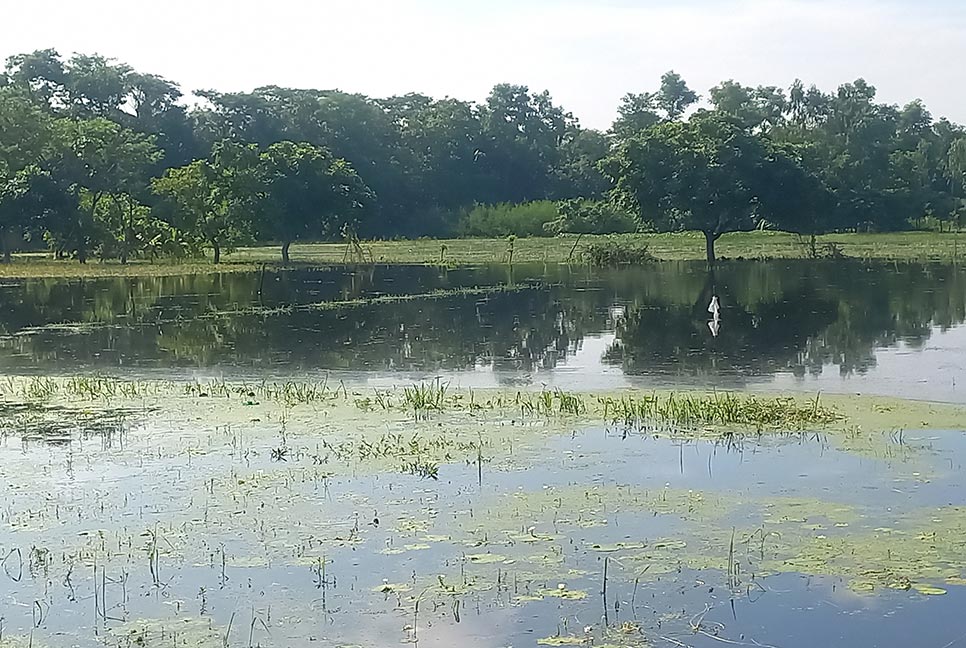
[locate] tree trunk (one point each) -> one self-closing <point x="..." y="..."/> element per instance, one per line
<point x="709" y="239"/>
<point x="6" y="242"/>
<point x="128" y="232"/>
<point x="285" y="246"/>
<point x="216" y="249"/>
<point x="82" y="237"/>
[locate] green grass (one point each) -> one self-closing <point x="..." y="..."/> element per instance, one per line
<point x="903" y="246"/>
<point x="687" y="410"/>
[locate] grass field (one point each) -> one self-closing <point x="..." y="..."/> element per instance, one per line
<point x="906" y="246"/>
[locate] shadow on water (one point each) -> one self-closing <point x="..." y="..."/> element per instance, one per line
<point x="554" y="324"/>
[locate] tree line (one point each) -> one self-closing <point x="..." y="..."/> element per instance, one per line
<point x="100" y="160"/>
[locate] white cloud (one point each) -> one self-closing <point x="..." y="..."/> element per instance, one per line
<point x="588" y="54"/>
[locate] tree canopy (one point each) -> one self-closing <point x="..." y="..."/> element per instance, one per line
<point x="99" y="159"/>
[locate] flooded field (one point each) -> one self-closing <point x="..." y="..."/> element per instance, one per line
<point x="542" y="456"/>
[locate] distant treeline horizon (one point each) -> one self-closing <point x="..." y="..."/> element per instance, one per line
<point x="100" y="160"/>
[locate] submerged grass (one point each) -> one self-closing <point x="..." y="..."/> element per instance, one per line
<point x="673" y="412"/>
<point x="688" y="410"/>
<point x="233" y="479"/>
<point x="689" y="413"/>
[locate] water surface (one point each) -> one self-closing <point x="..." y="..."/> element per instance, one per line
<point x="849" y="326"/>
<point x="190" y="517"/>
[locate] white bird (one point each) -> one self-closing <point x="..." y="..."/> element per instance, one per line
<point x="714" y="307"/>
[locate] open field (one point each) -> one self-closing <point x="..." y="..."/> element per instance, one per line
<point x="908" y="246"/>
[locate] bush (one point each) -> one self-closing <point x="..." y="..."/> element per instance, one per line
<point x="611" y="252"/>
<point x="581" y="216"/>
<point x="500" y="221"/>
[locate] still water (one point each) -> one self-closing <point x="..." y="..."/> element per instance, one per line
<point x="842" y="326"/>
<point x="187" y="518"/>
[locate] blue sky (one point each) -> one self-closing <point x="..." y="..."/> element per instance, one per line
<point x="587" y="53"/>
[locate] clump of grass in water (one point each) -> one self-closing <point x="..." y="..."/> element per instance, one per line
<point x="737" y="410"/>
<point x="422" y="398"/>
<point x="549" y="403"/>
<point x="395" y="446"/>
<point x="94" y="387"/>
<point x="40" y="389"/>
<point x="290" y="392"/>
<point x="424" y="469"/>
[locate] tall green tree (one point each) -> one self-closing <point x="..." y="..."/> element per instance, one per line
<point x="674" y="96"/>
<point x="31" y="202"/>
<point x="524" y="132"/>
<point x="99" y="158"/>
<point x="26" y="144"/>
<point x="759" y="109"/>
<point x="708" y="174"/>
<point x="305" y="192"/>
<point x="213" y="200"/>
<point x="638" y="112"/>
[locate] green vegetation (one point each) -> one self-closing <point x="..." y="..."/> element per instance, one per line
<point x="686" y="413"/>
<point x="98" y="160"/>
<point x="548" y="218"/>
<point x="731" y="410"/>
<point x="899" y="246"/>
<point x="592" y="217"/>
<point x="615" y="252"/>
<point x="528" y="219"/>
<point x="234" y="481"/>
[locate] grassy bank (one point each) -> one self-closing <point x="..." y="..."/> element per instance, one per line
<point x="904" y="246"/>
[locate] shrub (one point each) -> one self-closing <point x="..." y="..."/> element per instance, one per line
<point x="500" y="221"/>
<point x="581" y="216"/>
<point x="612" y="252"/>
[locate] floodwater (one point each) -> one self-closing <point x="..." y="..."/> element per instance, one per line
<point x="171" y="515"/>
<point x="840" y="326"/>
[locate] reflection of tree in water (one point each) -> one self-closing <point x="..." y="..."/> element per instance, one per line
<point x="778" y="316"/>
<point x="521" y="330"/>
<point x="798" y="317"/>
<point x="766" y="337"/>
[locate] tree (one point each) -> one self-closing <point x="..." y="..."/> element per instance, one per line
<point x="674" y="96"/>
<point x="127" y="228"/>
<point x="306" y="192"/>
<point x="90" y="122"/>
<point x="26" y="140"/>
<point x="524" y="132"/>
<point x="757" y="109"/>
<point x="30" y="201"/>
<point x="635" y="113"/>
<point x="41" y="73"/>
<point x="639" y="112"/>
<point x="955" y="175"/>
<point x="214" y="198"/>
<point x="156" y="111"/>
<point x="99" y="157"/>
<point x="578" y="171"/>
<point x="708" y="174"/>
<point x="956" y="167"/>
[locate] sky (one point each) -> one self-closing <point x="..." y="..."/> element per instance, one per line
<point x="587" y="53"/>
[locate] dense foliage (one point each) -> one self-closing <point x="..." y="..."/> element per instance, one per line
<point x="97" y="159"/>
